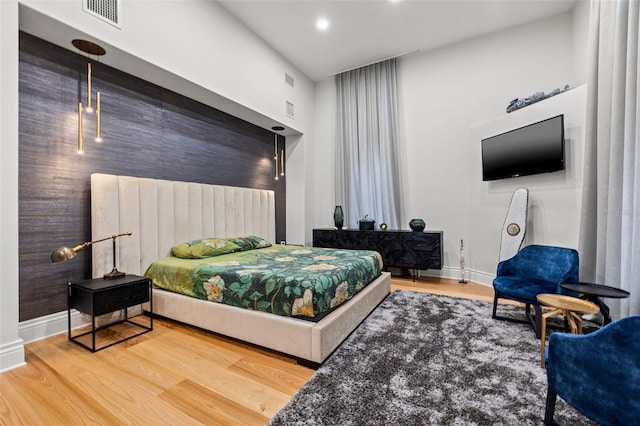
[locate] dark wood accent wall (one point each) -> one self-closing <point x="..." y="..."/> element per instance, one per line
<point x="148" y="131"/>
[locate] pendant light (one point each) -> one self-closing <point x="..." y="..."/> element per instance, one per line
<point x="80" y="142"/>
<point x="98" y="116"/>
<point x="91" y="49"/>
<point x="89" y="106"/>
<point x="275" y="155"/>
<point x="276" y="175"/>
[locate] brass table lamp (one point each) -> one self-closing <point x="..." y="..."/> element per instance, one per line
<point x="63" y="254"/>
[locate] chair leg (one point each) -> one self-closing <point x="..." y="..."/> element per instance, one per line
<point x="527" y="320"/>
<point x="550" y="407"/>
<point x="536" y="322"/>
<point x="538" y="327"/>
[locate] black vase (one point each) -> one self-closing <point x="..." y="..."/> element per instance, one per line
<point x="338" y="217"/>
<point x="417" y="225"/>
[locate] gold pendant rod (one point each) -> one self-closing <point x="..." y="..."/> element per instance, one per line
<point x="98" y="130"/>
<point x="282" y="162"/>
<point x="275" y="146"/>
<point x="89" y="106"/>
<point x="80" y="145"/>
<point x="275" y="176"/>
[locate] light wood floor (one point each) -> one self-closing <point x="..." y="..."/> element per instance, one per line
<point x="175" y="375"/>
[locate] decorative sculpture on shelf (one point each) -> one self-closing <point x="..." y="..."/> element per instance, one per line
<point x="518" y="103"/>
<point x="462" y="280"/>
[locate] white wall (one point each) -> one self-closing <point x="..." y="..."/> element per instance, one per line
<point x="322" y="176"/>
<point x="11" y="348"/>
<point x="554" y="198"/>
<point x="443" y="94"/>
<point x="580" y="39"/>
<point x="446" y="92"/>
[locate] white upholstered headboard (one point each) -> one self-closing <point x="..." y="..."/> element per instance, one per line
<point x="162" y="213"/>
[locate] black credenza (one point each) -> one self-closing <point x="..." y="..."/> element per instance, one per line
<point x="399" y="249"/>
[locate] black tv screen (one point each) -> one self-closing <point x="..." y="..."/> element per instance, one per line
<point x="532" y="149"/>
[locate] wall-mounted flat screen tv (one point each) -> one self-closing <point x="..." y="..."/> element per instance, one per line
<point x="532" y="149"/>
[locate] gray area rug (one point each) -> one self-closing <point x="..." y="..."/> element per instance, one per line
<point x="425" y="359"/>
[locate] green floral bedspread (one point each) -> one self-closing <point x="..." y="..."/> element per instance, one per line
<point x="284" y="280"/>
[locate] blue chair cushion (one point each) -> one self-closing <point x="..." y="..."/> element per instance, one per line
<point x="522" y="289"/>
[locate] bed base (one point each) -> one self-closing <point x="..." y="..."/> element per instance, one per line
<point x="311" y="341"/>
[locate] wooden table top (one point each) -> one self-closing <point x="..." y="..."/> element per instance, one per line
<point x="560" y="301"/>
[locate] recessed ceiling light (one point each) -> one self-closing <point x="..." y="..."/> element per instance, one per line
<point x="322" y="24"/>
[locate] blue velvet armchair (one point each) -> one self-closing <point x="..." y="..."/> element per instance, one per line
<point x="598" y="373"/>
<point x="534" y="270"/>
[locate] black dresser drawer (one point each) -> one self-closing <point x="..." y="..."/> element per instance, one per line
<point x="116" y="299"/>
<point x="401" y="249"/>
<point x="100" y="296"/>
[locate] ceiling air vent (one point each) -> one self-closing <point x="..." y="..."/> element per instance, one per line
<point x="107" y="10"/>
<point x="289" y="109"/>
<point x="289" y="80"/>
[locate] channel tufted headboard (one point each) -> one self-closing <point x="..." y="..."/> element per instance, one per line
<point x="162" y="213"/>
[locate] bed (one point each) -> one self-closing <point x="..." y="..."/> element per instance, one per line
<point x="162" y="214"/>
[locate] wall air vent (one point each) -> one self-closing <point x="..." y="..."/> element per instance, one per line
<point x="107" y="10"/>
<point x="289" y="79"/>
<point x="289" y="109"/>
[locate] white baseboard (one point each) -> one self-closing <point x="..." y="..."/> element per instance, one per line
<point x="482" y="278"/>
<point x="49" y="325"/>
<point x="53" y="324"/>
<point x="471" y="275"/>
<point x="11" y="355"/>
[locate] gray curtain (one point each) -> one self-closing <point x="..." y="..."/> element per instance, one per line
<point x="610" y="222"/>
<point x="367" y="181"/>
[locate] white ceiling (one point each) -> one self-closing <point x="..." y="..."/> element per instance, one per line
<point x="366" y="31"/>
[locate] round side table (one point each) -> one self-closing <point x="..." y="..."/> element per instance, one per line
<point x="594" y="293"/>
<point x="570" y="308"/>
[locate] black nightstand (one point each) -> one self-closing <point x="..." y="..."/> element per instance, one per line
<point x="99" y="296"/>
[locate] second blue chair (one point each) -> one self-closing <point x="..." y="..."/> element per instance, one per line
<point x="598" y="373"/>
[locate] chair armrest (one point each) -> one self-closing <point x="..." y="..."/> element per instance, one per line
<point x="508" y="267"/>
